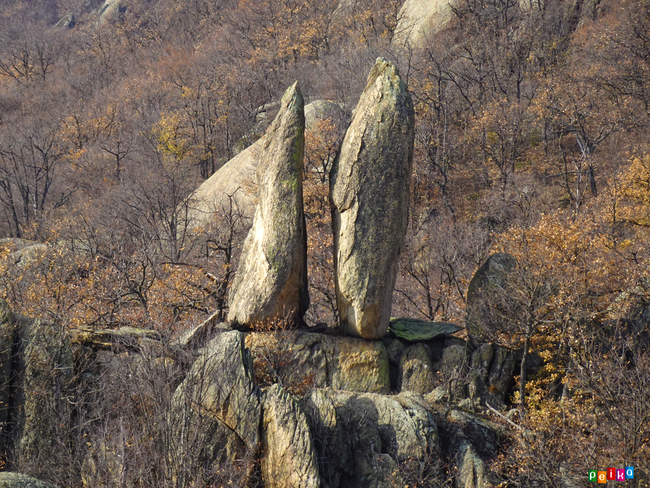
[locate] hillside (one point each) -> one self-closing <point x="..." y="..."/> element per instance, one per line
<point x="532" y="140"/>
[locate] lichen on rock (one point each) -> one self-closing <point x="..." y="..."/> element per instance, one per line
<point x="369" y="192"/>
<point x="271" y="282"/>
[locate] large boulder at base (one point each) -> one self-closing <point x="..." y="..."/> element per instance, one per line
<point x="363" y="440"/>
<point x="234" y="185"/>
<point x="271" y="281"/>
<point x="17" y="480"/>
<point x="486" y="292"/>
<point x="305" y="359"/>
<point x="288" y="456"/>
<point x="369" y="194"/>
<point x="216" y="409"/>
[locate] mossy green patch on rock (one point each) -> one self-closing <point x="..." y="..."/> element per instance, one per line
<point x="271" y="281"/>
<point x="416" y="330"/>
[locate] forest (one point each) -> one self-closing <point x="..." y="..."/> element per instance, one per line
<point x="532" y="139"/>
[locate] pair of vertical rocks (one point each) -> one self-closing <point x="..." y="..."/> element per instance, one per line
<point x="369" y="192"/>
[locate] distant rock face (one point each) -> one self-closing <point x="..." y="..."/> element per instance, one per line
<point x="419" y="20"/>
<point x="369" y="191"/>
<point x="271" y="281"/>
<point x="416" y="370"/>
<point x="288" y="459"/>
<point x="234" y="186"/>
<point x="235" y="183"/>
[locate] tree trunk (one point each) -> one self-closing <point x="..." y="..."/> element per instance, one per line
<point x="522" y="374"/>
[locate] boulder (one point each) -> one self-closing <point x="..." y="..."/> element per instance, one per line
<point x="369" y="193"/>
<point x="271" y="281"/>
<point x="200" y="335"/>
<point x="416" y="330"/>
<point x="473" y="443"/>
<point x="14" y="244"/>
<point x="40" y="408"/>
<point x="17" y="480"/>
<point x="485" y="293"/>
<point x="288" y="456"/>
<point x="362" y="439"/>
<point x="235" y="183"/>
<point x="317" y="360"/>
<point x="216" y="410"/>
<point x="35" y="387"/>
<point x="395" y="349"/>
<point x="500" y="375"/>
<point x="453" y="369"/>
<point x="233" y="186"/>
<point x="416" y="370"/>
<point x="419" y="20"/>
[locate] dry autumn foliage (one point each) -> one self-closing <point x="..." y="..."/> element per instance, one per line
<point x="531" y="139"/>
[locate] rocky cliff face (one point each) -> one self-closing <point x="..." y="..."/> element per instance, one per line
<point x="271" y="281"/>
<point x="419" y="20"/>
<point x="343" y="430"/>
<point x="369" y="191"/>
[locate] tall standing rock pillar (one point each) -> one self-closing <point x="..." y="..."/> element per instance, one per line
<point x="369" y="193"/>
<point x="271" y="282"/>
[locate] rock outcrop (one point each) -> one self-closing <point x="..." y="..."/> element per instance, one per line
<point x="363" y="439"/>
<point x="45" y="371"/>
<point x="217" y="408"/>
<point x="491" y="374"/>
<point x="319" y="360"/>
<point x="6" y="370"/>
<point x="288" y="456"/>
<point x="271" y="281"/>
<point x="472" y="444"/>
<point x="416" y="370"/>
<point x="35" y="374"/>
<point x="419" y="20"/>
<point x="17" y="480"/>
<point x="235" y="183"/>
<point x="369" y="191"/>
